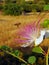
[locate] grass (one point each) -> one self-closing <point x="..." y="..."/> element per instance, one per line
<point x="8" y="27"/>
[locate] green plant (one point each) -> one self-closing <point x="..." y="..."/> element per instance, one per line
<point x="46" y="58"/>
<point x="27" y="7"/>
<point x="39" y="7"/>
<point x="45" y="23"/>
<point x="32" y="59"/>
<point x="34" y="7"/>
<point x="29" y="2"/>
<point x="37" y="50"/>
<point x="40" y="50"/>
<point x="1" y="7"/>
<point x="6" y="48"/>
<point x="12" y="9"/>
<point x="46" y="1"/>
<point x="46" y="7"/>
<point x="8" y="1"/>
<point x="14" y="53"/>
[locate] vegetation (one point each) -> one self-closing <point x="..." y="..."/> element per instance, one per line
<point x="45" y="24"/>
<point x="20" y="6"/>
<point x="32" y="59"/>
<point x="1" y="7"/>
<point x="46" y="7"/>
<point x="17" y="53"/>
<point x="9" y="54"/>
<point x="12" y="9"/>
<point x="37" y="50"/>
<point x="27" y="7"/>
<point x="46" y="1"/>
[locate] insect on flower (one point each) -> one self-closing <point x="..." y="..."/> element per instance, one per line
<point x="28" y="34"/>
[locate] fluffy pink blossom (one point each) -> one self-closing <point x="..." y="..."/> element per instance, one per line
<point x="27" y="33"/>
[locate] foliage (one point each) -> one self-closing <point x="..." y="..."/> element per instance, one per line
<point x="20" y="1"/>
<point x="5" y="48"/>
<point x="45" y="24"/>
<point x="14" y="53"/>
<point x="34" y="7"/>
<point x="46" y="1"/>
<point x="8" y="1"/>
<point x="46" y="7"/>
<point x="27" y="7"/>
<point x="37" y="50"/>
<point x="39" y="7"/>
<point x="32" y="59"/>
<point x="29" y="2"/>
<point x="12" y="9"/>
<point x="42" y="2"/>
<point x="19" y="6"/>
<point x="1" y="7"/>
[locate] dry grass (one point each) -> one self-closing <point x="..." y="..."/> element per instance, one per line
<point x="8" y="29"/>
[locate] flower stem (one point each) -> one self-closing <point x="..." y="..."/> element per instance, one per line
<point x="47" y="59"/>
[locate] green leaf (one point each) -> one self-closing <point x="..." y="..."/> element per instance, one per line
<point x="46" y="7"/>
<point x="6" y="48"/>
<point x="32" y="59"/>
<point x="16" y="52"/>
<point x="45" y="23"/>
<point x="37" y="50"/>
<point x="16" y="56"/>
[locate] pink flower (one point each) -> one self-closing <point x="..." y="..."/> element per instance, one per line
<point x="26" y="34"/>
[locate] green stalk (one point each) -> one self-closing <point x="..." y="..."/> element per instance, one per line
<point x="16" y="57"/>
<point x="47" y="59"/>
